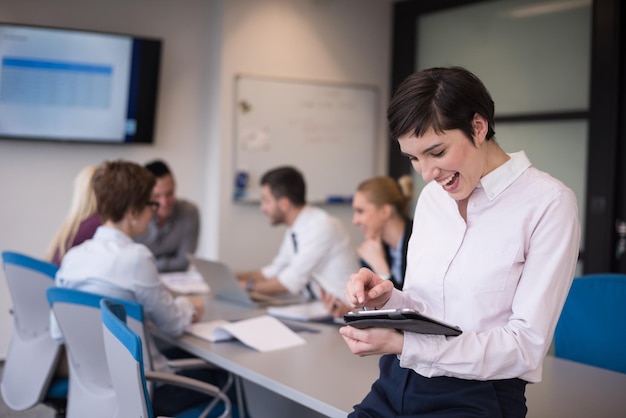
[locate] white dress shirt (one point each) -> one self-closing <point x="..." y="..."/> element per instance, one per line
<point x="324" y="255"/>
<point x="502" y="276"/>
<point x="113" y="257"/>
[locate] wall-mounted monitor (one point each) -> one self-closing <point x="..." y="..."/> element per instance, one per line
<point x="74" y="85"/>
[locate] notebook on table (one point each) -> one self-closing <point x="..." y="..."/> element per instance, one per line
<point x="224" y="285"/>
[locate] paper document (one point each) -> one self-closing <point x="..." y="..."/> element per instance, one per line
<point x="310" y="311"/>
<point x="184" y="282"/>
<point x="263" y="333"/>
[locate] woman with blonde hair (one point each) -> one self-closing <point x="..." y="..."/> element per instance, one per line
<point x="379" y="208"/>
<point x="81" y="221"/>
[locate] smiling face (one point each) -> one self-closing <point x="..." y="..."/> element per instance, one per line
<point x="164" y="193"/>
<point x="367" y="216"/>
<point x="449" y="158"/>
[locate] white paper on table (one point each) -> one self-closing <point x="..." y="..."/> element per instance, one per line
<point x="263" y="333"/>
<point x="184" y="282"/>
<point x="309" y="311"/>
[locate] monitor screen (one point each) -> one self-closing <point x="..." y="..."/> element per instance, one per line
<point x="73" y="85"/>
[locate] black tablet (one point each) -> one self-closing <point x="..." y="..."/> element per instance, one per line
<point x="400" y="319"/>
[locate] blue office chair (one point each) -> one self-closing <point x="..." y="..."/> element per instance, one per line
<point x="91" y="391"/>
<point x="124" y="357"/>
<point x="33" y="356"/>
<point x="107" y="289"/>
<point x="78" y="315"/>
<point x="592" y="326"/>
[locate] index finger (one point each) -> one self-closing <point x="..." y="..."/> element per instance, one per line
<point x="358" y="285"/>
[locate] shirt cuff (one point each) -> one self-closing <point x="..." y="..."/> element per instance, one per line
<point x="186" y="306"/>
<point x="268" y="271"/>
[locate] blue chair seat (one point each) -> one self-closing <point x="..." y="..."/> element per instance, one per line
<point x="592" y="326"/>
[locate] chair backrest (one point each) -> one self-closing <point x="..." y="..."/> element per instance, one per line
<point x="591" y="328"/>
<point x="124" y="356"/>
<point x="33" y="355"/>
<point x="111" y="291"/>
<point x="78" y="314"/>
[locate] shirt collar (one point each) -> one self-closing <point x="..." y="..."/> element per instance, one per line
<point x="107" y="232"/>
<point x="300" y="219"/>
<point x="502" y="177"/>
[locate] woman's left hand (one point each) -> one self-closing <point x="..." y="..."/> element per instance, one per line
<point x="372" y="252"/>
<point x="370" y="341"/>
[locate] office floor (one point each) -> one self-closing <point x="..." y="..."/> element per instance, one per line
<point x="40" y="411"/>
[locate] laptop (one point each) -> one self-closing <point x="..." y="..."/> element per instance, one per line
<point x="225" y="285"/>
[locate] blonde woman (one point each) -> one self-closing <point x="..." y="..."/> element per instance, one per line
<point x="379" y="208"/>
<point x="81" y="221"/>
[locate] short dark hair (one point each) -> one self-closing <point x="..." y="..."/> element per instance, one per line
<point x="158" y="168"/>
<point x="119" y="186"/>
<point x="441" y="98"/>
<point x="286" y="182"/>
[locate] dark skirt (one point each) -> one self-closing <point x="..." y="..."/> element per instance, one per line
<point x="400" y="392"/>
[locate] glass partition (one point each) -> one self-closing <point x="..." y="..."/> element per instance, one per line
<point x="534" y="57"/>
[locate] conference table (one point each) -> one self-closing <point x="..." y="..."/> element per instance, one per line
<point x="324" y="376"/>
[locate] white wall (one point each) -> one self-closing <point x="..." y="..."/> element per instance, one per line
<point x="330" y="40"/>
<point x="206" y="42"/>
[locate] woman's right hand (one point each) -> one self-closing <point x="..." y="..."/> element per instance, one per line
<point x="366" y="289"/>
<point x="198" y="305"/>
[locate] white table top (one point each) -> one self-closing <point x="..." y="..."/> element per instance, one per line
<point x="574" y="390"/>
<point x="326" y="377"/>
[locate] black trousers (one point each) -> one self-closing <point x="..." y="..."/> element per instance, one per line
<point x="401" y="392"/>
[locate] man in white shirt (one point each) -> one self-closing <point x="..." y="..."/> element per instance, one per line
<point x="316" y="255"/>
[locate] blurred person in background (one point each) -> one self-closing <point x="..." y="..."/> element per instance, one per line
<point x="81" y="221"/>
<point x="172" y="234"/>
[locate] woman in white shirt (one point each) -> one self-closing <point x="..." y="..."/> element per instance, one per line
<point x="112" y="262"/>
<point x="493" y="250"/>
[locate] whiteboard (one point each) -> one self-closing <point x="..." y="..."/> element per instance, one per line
<point x="326" y="130"/>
